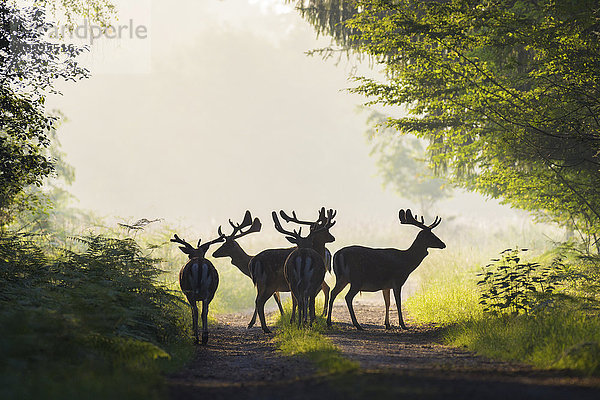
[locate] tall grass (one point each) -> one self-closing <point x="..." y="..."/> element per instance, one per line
<point x="446" y="290"/>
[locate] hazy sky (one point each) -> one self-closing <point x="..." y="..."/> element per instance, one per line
<point x="217" y="110"/>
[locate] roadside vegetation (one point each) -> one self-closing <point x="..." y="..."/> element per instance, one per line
<point x="88" y="317"/>
<point x="542" y="310"/>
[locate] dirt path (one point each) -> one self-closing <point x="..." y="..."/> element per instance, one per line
<point x="243" y="364"/>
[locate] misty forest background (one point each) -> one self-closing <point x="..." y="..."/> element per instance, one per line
<point x="499" y="98"/>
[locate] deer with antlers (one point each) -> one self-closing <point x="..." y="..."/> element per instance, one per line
<point x="239" y="257"/>
<point x="198" y="280"/>
<point x="367" y="269"/>
<point x="321" y="249"/>
<point x="304" y="268"/>
<point x="266" y="268"/>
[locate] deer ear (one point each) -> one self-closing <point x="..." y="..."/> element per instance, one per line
<point x="291" y="239"/>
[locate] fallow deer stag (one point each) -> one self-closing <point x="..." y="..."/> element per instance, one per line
<point x="326" y="254"/>
<point x="304" y="269"/>
<point x="198" y="280"/>
<point x="370" y="270"/>
<point x="239" y="257"/>
<point x="266" y="268"/>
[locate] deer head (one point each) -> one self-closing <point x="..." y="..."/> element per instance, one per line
<point x="238" y="232"/>
<point x="426" y="237"/>
<point x="319" y="229"/>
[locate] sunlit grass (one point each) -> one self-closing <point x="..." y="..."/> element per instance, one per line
<point x="560" y="339"/>
<point x="445" y="303"/>
<point x="447" y="290"/>
<point x="310" y="342"/>
<point x="564" y="336"/>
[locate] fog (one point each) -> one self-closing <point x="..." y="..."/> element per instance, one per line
<point x="219" y="110"/>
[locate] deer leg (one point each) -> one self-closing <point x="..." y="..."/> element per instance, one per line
<point x="339" y="286"/>
<point x="325" y="289"/>
<point x="278" y="301"/>
<point x="397" y="292"/>
<point x="259" y="294"/>
<point x="299" y="313"/>
<point x="195" y="320"/>
<point x="386" y="299"/>
<point x="204" y="321"/>
<point x="260" y="307"/>
<point x="294" y="305"/>
<point x="311" y="305"/>
<point x="253" y="320"/>
<point x="306" y="305"/>
<point x="349" y="297"/>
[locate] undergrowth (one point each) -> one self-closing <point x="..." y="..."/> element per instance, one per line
<point x="88" y="321"/>
<point x="310" y="342"/>
<point x="544" y="311"/>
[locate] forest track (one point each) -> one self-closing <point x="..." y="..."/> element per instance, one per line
<point x="239" y="363"/>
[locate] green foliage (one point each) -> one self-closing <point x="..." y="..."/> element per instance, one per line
<point x="236" y="291"/>
<point x="446" y="300"/>
<point x="506" y="93"/>
<point x="547" y="315"/>
<point x="510" y="286"/>
<point x="83" y="320"/>
<point x="309" y="342"/>
<point x="328" y="17"/>
<point x="566" y="337"/>
<point x="96" y="11"/>
<point x="29" y="66"/>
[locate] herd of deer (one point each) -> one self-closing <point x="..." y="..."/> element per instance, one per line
<point x="301" y="269"/>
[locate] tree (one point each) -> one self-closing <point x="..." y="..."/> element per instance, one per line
<point x="507" y="93"/>
<point x="403" y="165"/>
<point x="29" y="66"/>
<point x="97" y="11"/>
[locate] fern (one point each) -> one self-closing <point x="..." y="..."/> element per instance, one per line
<point x="95" y="306"/>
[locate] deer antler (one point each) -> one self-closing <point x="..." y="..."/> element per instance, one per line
<point x="331" y="214"/>
<point x="294" y="219"/>
<point x="324" y="217"/>
<point x="325" y="220"/>
<point x="221" y="238"/>
<point x="294" y="234"/>
<point x="186" y="245"/>
<point x="435" y="223"/>
<point x="254" y="225"/>
<point x="407" y="218"/>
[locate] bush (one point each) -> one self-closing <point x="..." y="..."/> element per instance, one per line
<point x="510" y="286"/>
<point x="87" y="320"/>
<point x="544" y="313"/>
